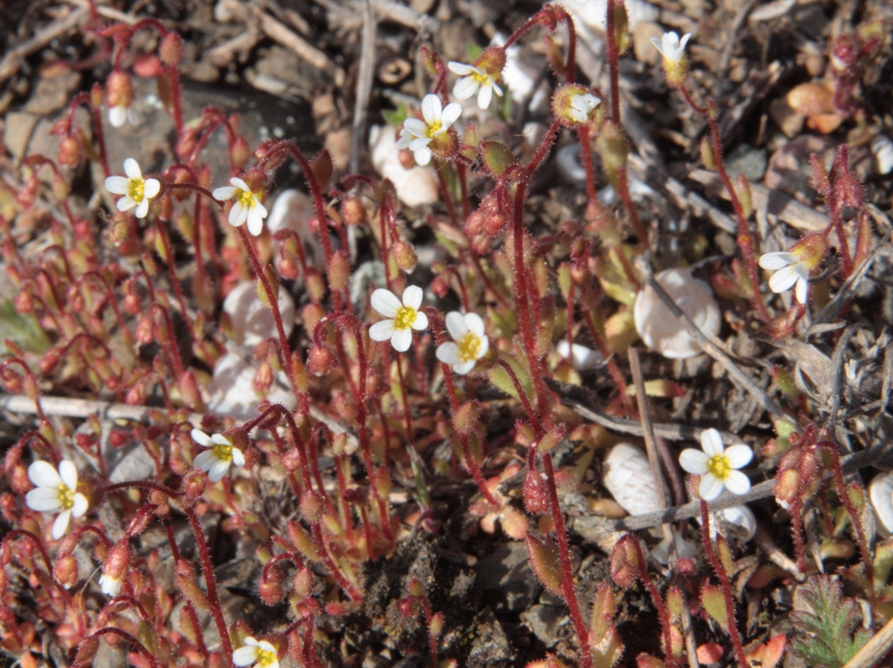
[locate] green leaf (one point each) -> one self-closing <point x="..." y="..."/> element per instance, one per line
<point x="395" y="117"/>
<point x="715" y="605"/>
<point x="21" y="329"/>
<point x="544" y="561"/>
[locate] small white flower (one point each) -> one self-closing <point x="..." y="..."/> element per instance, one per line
<point x="474" y="79"/>
<point x="416" y="134"/>
<point x="582" y="106"/>
<point x="717" y="466"/>
<point x="220" y="454"/>
<point x="246" y="206"/>
<point x="137" y="191"/>
<point x="119" y="115"/>
<point x="403" y="317"/>
<point x="56" y="491"/>
<point x="258" y="653"/>
<point x="471" y="342"/>
<point x="671" y="47"/>
<point x="109" y="585"/>
<point x="737" y="521"/>
<point x="789" y="269"/>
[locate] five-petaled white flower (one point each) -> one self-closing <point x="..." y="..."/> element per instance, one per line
<point x="473" y="79"/>
<point x="671" y="47"/>
<point x="581" y="106"/>
<point x="258" y="653"/>
<point x="119" y="115"/>
<point x="246" y="206"/>
<point x="789" y="269"/>
<point x="403" y="317"/>
<point x="56" y="491"/>
<point x="717" y="466"/>
<point x="416" y="134"/>
<point x="137" y="191"/>
<point x="220" y="454"/>
<point x="471" y="342"/>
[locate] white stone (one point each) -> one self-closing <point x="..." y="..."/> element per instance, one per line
<point x="581" y="357"/>
<point x="252" y="321"/>
<point x="880" y="491"/>
<point x="626" y="474"/>
<point x="657" y="326"/>
<point x="882" y="147"/>
<point x="232" y="389"/>
<point x="415" y="186"/>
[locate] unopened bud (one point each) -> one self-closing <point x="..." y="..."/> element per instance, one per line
<point x="240" y="152"/>
<point x="353" y="212"/>
<point x="119" y="89"/>
<point x="66" y="571"/>
<point x="466" y="419"/>
<point x="625" y="564"/>
<point x="536" y="495"/>
<point x="171" y="50"/>
<point x="270" y="588"/>
<point x="70" y="150"/>
<point x="339" y="270"/>
<point x="263" y="378"/>
<point x="194" y="483"/>
<point x="406" y="257"/>
<point x="303" y="583"/>
<point x="320" y="360"/>
<point x="311" y="506"/>
<point x="189" y="390"/>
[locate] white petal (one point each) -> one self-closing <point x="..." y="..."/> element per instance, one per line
<point x="224" y="193"/>
<point x="783" y="279"/>
<point x="775" y="261"/>
<point x="80" y="505"/>
<point x="450" y="115"/>
<point x="401" y="340"/>
<point x="43" y="499"/>
<point x="69" y="473"/>
<point x="238" y="214"/>
<point x="245" y="656"/>
<point x="117" y="185"/>
<point x="110" y="586"/>
<point x="218" y="470"/>
<point x="737" y="482"/>
<point x="151" y="188"/>
<point x="238" y="457"/>
<point x="132" y="169"/>
<point x="682" y="43"/>
<point x="658" y="45"/>
<point x="448" y="353"/>
<point x="415" y="127"/>
<point x="200" y="437"/>
<point x="422" y="156"/>
<point x="465" y="88"/>
<point x="485" y="96"/>
<point x="739" y="456"/>
<point x="456" y="325"/>
<point x="412" y="296"/>
<point x="204" y="460"/>
<point x="255" y="221"/>
<point x="460" y="68"/>
<point x="431" y="109"/>
<point x="142" y="208"/>
<point x="419" y="143"/>
<point x="485" y="346"/>
<point x="382" y="331"/>
<point x="463" y="367"/>
<point x="239" y="183"/>
<point x="497" y="89"/>
<point x="404" y="140"/>
<point x="421" y="322"/>
<point x="710" y="487"/>
<point x="711" y="442"/>
<point x="267" y="646"/>
<point x="117" y="116"/>
<point x="475" y="324"/>
<point x="126" y="203"/>
<point x="60" y="526"/>
<point x="693" y="461"/>
<point x="43" y="474"/>
<point x="802" y="290"/>
<point x="386" y="302"/>
<point x="220" y="439"/>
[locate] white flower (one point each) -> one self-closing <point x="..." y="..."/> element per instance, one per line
<point x="137" y="191"/>
<point x="111" y="586"/>
<point x="56" y="491"/>
<point x="403" y="317"/>
<point x="217" y="459"/>
<point x="471" y="342"/>
<point x="416" y="134"/>
<point x="119" y="114"/>
<point x="789" y="269"/>
<point x="256" y="653"/>
<point x="581" y="106"/>
<point x="474" y="78"/>
<point x="246" y="206"/>
<point x="671" y="47"/>
<point x="737" y="521"/>
<point x="717" y="466"/>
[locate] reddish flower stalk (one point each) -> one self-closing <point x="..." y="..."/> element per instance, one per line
<point x="724" y="584"/>
<point x="126" y="637"/>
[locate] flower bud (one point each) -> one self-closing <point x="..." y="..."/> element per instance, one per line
<point x="625" y="565"/>
<point x="270" y="587"/>
<point x="405" y="255"/>
<point x="119" y="89"/>
<point x="114" y="569"/>
<point x="339" y="271"/>
<point x="66" y="571"/>
<point x="194" y="483"/>
<point x="320" y="360"/>
<point x="171" y="49"/>
<point x="536" y="495"/>
<point x="311" y="506"/>
<point x="263" y="378"/>
<point x="466" y="419"/>
<point x="70" y="150"/>
<point x="353" y="211"/>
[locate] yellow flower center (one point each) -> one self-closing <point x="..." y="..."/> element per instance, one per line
<point x="265" y="657"/>
<point x="469" y="347"/>
<point x="405" y="317"/>
<point x="480" y="79"/>
<point x="719" y="466"/>
<point x="434" y="129"/>
<point x="223" y="452"/>
<point x="66" y="497"/>
<point x="137" y="190"/>
<point x="246" y="198"/>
